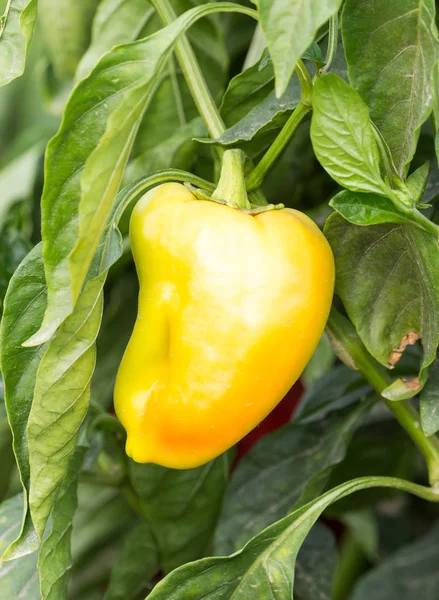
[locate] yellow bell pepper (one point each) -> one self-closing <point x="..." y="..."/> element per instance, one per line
<point x="231" y="308"/>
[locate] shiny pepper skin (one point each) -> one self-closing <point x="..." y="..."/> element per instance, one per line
<point x="231" y="308"/>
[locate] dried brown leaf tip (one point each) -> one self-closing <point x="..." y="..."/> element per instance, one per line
<point x="408" y="340"/>
<point x="412" y="384"/>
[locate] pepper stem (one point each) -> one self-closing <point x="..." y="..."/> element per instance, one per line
<point x="231" y="187"/>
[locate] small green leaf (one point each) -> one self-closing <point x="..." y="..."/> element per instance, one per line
<point x="16" y="29"/>
<point x="417" y="181"/>
<point x="367" y="209"/>
<point x="343" y="137"/>
<point x="183" y="523"/>
<point x="313" y="52"/>
<point x="387" y="279"/>
<point x="289" y="27"/>
<point x="429" y="401"/>
<point x="391" y="48"/>
<point x="136" y="565"/>
<point x="411" y="570"/>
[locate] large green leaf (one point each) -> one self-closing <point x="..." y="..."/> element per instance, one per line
<point x="83" y="172"/>
<point x="115" y="22"/>
<point x="387" y="278"/>
<point x="16" y="29"/>
<point x="411" y="572"/>
<point x="66" y="26"/>
<point x="264" y="568"/>
<point x="23" y="311"/>
<point x="182" y="523"/>
<point x="60" y="402"/>
<point x="282" y="469"/>
<point x="391" y="48"/>
<point x="315" y="564"/>
<point x="343" y="137"/>
<point x="289" y="27"/>
<point x="19" y="578"/>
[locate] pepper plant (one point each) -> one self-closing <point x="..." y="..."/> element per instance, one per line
<point x="326" y="107"/>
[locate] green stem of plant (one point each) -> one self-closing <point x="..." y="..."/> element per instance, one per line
<point x="353" y="353"/>
<point x="192" y="73"/>
<point x="351" y="562"/>
<point x="256" y="177"/>
<point x="191" y="69"/>
<point x="231" y="185"/>
<point x="305" y="83"/>
<point x="332" y="43"/>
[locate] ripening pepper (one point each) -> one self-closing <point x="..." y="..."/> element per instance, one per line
<point x="231" y="308"/>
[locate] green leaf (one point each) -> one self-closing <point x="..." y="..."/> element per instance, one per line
<point x="16" y="29"/>
<point x="379" y="447"/>
<point x="281" y="470"/>
<point x="183" y="523"/>
<point x="177" y="151"/>
<point x="386" y="276"/>
<point x="417" y="181"/>
<point x="13" y="249"/>
<point x="250" y="105"/>
<point x="7" y="465"/>
<point x="289" y="27"/>
<point x="367" y="209"/>
<point x="315" y="564"/>
<point x="60" y="403"/>
<point x="313" y="52"/>
<point x="54" y="560"/>
<point x="343" y="138"/>
<point x="411" y="570"/>
<point x="83" y="173"/>
<point x="396" y="80"/>
<point x="429" y="401"/>
<point x="19" y="578"/>
<point x="18" y="178"/>
<point x="321" y="362"/>
<point x="338" y="388"/>
<point x="66" y="28"/>
<point x="103" y="514"/>
<point x="264" y="568"/>
<point x="23" y="311"/>
<point x="136" y="565"/>
<point x="115" y="22"/>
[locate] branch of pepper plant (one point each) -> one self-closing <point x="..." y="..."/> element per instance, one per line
<point x="351" y="350"/>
